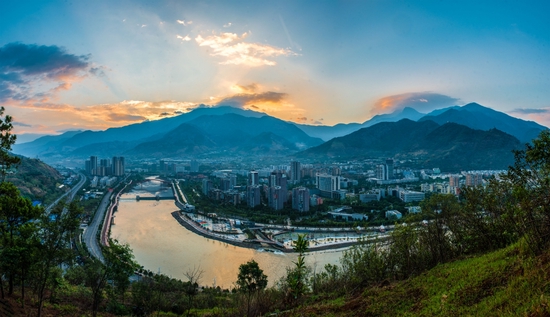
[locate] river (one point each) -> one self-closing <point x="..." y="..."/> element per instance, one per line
<point x="160" y="243"/>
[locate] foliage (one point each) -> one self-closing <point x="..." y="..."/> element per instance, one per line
<point x="6" y="141"/>
<point x="251" y="280"/>
<point x="297" y="277"/>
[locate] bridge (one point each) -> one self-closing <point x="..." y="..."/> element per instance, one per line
<point x="157" y="197"/>
<point x="271" y="242"/>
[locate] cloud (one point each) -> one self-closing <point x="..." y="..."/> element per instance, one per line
<point x="30" y="71"/>
<point x="252" y="88"/>
<point x="247" y="99"/>
<point x="227" y="25"/>
<point x="21" y="124"/>
<point x="301" y="119"/>
<point x="184" y="23"/>
<point x="125" y="117"/>
<point x="539" y="115"/>
<point x="184" y="38"/>
<point x="530" y="111"/>
<point x="420" y="101"/>
<point x="236" y="51"/>
<point x="101" y="116"/>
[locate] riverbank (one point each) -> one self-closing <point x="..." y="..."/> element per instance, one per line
<point x="328" y="244"/>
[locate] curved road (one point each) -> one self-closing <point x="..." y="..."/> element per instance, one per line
<point x="89" y="235"/>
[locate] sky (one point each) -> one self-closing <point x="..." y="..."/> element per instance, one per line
<point x="67" y="65"/>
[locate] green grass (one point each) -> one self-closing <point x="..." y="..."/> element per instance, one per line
<point x="502" y="283"/>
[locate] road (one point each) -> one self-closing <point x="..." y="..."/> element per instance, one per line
<point x="70" y="193"/>
<point x="89" y="235"/>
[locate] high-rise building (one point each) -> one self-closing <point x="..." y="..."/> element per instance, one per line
<point x="454" y="181"/>
<point x="381" y="172"/>
<point x="279" y="179"/>
<point x="232" y="181"/>
<point x="194" y="166"/>
<point x="206" y="186"/>
<point x="295" y="171"/>
<point x="253" y="196"/>
<point x="118" y="166"/>
<point x="225" y="184"/>
<point x="385" y="171"/>
<point x="93" y="165"/>
<point x="328" y="183"/>
<point x="253" y="178"/>
<point x="300" y="199"/>
<point x="389" y="169"/>
<point x="473" y="179"/>
<point x="275" y="197"/>
<point x="88" y="167"/>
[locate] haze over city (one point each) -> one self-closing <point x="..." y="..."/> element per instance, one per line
<point x="95" y="65"/>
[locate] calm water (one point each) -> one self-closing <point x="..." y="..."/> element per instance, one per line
<point x="160" y="243"/>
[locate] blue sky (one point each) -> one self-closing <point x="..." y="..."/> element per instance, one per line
<point x="98" y="64"/>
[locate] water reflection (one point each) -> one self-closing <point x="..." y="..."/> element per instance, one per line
<point x="160" y="243"/>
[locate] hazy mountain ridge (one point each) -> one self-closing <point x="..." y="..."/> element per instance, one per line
<point x="230" y="130"/>
<point x="450" y="146"/>
<point x="66" y="143"/>
<point x="328" y="132"/>
<point x="472" y="115"/>
<point x="228" y="133"/>
<point x="479" y="117"/>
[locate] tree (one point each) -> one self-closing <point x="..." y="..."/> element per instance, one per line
<point x="6" y="141"/>
<point x="251" y="279"/>
<point x="56" y="230"/>
<point x="17" y="228"/>
<point x="192" y="288"/>
<point x="118" y="267"/>
<point x="296" y="277"/>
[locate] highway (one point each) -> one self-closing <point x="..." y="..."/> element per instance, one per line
<point x="89" y="235"/>
<point x="70" y="193"/>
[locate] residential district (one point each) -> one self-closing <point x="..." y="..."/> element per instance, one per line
<point x="231" y="195"/>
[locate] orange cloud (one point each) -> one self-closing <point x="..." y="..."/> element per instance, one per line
<point x="421" y="101"/>
<point x="96" y="117"/>
<point x="236" y="51"/>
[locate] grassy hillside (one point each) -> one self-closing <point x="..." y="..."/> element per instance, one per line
<point x="502" y="283"/>
<point x="36" y="180"/>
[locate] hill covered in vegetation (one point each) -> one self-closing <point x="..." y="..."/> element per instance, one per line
<point x="36" y="180"/>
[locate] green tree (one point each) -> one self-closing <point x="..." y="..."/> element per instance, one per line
<point x="56" y="231"/>
<point x="7" y="139"/>
<point x="296" y="278"/>
<point x="251" y="280"/>
<point x="118" y="267"/>
<point x="16" y="229"/>
<point x="530" y="180"/>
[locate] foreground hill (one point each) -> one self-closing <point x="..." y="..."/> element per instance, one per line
<point x="450" y="146"/>
<point x="503" y="283"/>
<point x="36" y="180"/>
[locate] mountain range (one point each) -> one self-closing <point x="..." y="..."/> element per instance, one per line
<point x="226" y="131"/>
<point x="450" y="146"/>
